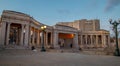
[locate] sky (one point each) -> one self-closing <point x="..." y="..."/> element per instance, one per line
<point x="50" y="12"/>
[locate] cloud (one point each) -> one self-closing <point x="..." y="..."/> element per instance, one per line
<point x="111" y="4"/>
<point x="63" y="11"/>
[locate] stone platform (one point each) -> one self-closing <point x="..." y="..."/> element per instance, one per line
<point x="36" y="58"/>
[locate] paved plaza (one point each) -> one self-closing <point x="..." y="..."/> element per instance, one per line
<point x="37" y="58"/>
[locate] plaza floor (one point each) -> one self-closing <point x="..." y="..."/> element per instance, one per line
<point x="37" y="58"/>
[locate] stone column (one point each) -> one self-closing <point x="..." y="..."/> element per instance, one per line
<point x="26" y="35"/>
<point x="55" y="40"/>
<point x="38" y="38"/>
<point x="86" y="45"/>
<point x="8" y="33"/>
<point x="84" y="40"/>
<point x="42" y="40"/>
<point x="44" y="33"/>
<point x="51" y="43"/>
<point x="29" y="36"/>
<point x="0" y="26"/>
<point x="75" y="40"/>
<point x="100" y="41"/>
<point x="91" y="41"/>
<point x="96" y="40"/>
<point x="0" y="30"/>
<point x="81" y="40"/>
<point x="103" y="41"/>
<point x="33" y="37"/>
<point x="109" y="40"/>
<point x="22" y="31"/>
<point x="3" y="31"/>
<point x="46" y="39"/>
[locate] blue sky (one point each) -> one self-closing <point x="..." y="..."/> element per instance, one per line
<point x="52" y="11"/>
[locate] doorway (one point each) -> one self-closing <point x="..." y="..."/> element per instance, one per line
<point x="15" y="33"/>
<point x="66" y="40"/>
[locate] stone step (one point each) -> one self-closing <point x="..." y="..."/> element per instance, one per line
<point x="64" y="50"/>
<point x="14" y="47"/>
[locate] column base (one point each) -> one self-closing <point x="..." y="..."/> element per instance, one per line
<point x="2" y="47"/>
<point x="43" y="49"/>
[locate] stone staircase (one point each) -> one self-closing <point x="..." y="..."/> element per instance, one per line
<point x="15" y="47"/>
<point x="64" y="50"/>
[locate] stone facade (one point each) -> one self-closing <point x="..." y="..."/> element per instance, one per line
<point x="20" y="29"/>
<point x="89" y="33"/>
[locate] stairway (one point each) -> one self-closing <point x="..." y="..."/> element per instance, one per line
<point x="11" y="46"/>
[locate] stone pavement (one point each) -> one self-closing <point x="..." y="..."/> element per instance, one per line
<point x="31" y="58"/>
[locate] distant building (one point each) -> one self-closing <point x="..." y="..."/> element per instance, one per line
<point x="20" y="29"/>
<point x="89" y="33"/>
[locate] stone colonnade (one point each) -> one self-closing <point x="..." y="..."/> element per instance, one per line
<point x="94" y="41"/>
<point x="21" y="29"/>
<point x="34" y="37"/>
<point x="28" y="35"/>
<point x="28" y="30"/>
<point x="22" y="36"/>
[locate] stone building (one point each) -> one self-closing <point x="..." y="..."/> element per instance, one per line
<point x="20" y="29"/>
<point x="89" y="33"/>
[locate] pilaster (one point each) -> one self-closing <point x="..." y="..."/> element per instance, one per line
<point x="91" y="37"/>
<point x="22" y="31"/>
<point x="75" y="40"/>
<point x="96" y="40"/>
<point x="3" y="31"/>
<point x="55" y="40"/>
<point x="26" y="35"/>
<point x="8" y="33"/>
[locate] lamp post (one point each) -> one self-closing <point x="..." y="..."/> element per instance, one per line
<point x="42" y="47"/>
<point x="115" y="24"/>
